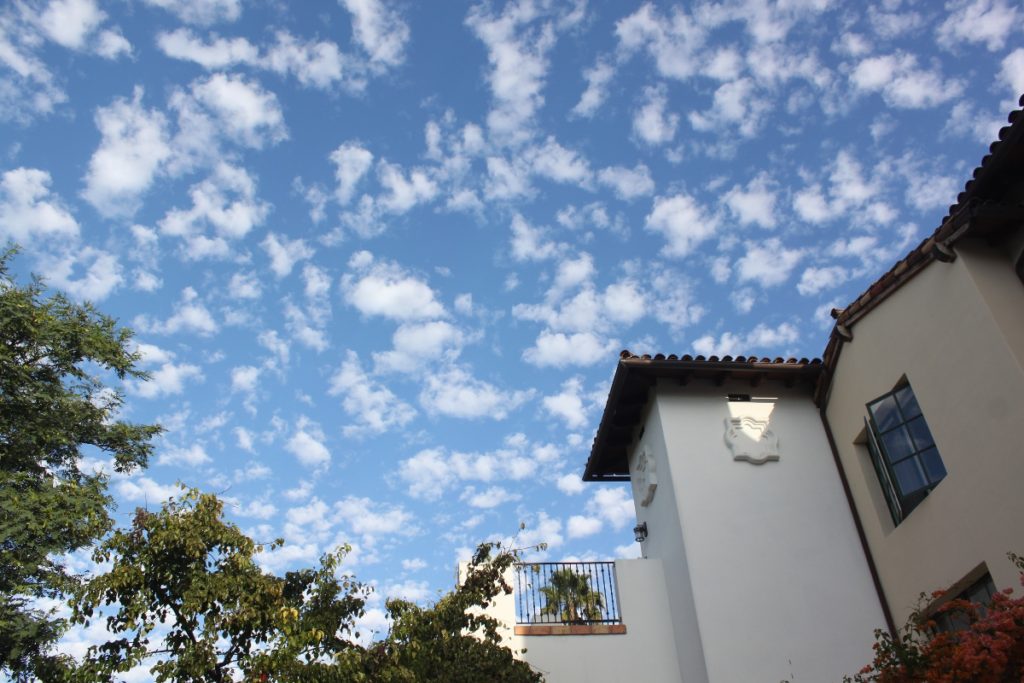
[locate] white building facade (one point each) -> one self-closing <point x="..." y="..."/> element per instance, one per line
<point x="789" y="508"/>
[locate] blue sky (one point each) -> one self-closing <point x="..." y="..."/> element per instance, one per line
<point x="381" y="256"/>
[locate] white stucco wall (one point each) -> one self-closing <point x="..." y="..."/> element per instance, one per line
<point x="666" y="544"/>
<point x="647" y="646"/>
<point x="777" y="576"/>
<point x="956" y="331"/>
<point x="645" y="652"/>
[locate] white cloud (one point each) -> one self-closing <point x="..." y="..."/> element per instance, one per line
<point x="675" y="304"/>
<point x="193" y="456"/>
<point x="1011" y="72"/>
<point x="379" y="30"/>
<point x="623" y="302"/>
<point x="351" y="164"/>
<point x="307" y="444"/>
<point x="560" y="349"/>
<point x="218" y="53"/>
<point x="403" y="193"/>
<point x="528" y="243"/>
<point x="70" y="22"/>
<point x="816" y="279"/>
<point x="418" y="344"/>
<point x="627" y="183"/>
<point x="849" y="188"/>
<point x="580" y="526"/>
<point x="244" y="438"/>
<point x="258" y="509"/>
<point x="570" y="484"/>
<point x="427" y="474"/>
<point x="674" y="43"/>
<point x="373" y="406"/>
<point x="768" y="263"/>
<point x="102" y="274"/>
<point x="683" y="223"/>
<point x="305" y="328"/>
<point x="29" y="209"/>
<point x="979" y="21"/>
<point x="285" y="253"/>
<point x="488" y="498"/>
<point x="734" y="107"/>
<point x="613" y="505"/>
<point x="559" y="164"/>
<point x="201" y="12"/>
<point x="455" y="392"/>
<point x="507" y="180"/>
<point x="413" y="564"/>
<point x="246" y="112"/>
<point x="761" y="337"/>
<point x="386" y="289"/>
<point x="364" y="516"/>
<point x="902" y="83"/>
<point x="133" y="147"/>
<point x="144" y="489"/>
<point x="245" y="378"/>
<point x="812" y="206"/>
<point x="651" y="123"/>
<point x="598" y="77"/>
<point x="244" y="286"/>
<point x="753" y="204"/>
<point x="111" y="45"/>
<point x="168" y="380"/>
<point x="320" y="64"/>
<point x="190" y="315"/>
<point x="226" y="202"/>
<point x="568" y="403"/>
<point x="431" y="472"/>
<point x="518" y="57"/>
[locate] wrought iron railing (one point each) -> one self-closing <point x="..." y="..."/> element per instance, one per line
<point x="566" y="593"/>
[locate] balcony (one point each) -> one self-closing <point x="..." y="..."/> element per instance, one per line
<point x="567" y="598"/>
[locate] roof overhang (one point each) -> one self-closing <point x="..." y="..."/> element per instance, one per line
<point x="989" y="208"/>
<point x="631" y="390"/>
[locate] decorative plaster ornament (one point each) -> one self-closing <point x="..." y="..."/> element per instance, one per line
<point x="647" y="478"/>
<point x="751" y="440"/>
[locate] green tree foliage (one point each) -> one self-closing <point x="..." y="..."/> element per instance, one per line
<point x="185" y="596"/>
<point x="569" y="597"/>
<point x="453" y="640"/>
<point x="184" y="587"/>
<point x="54" y="356"/>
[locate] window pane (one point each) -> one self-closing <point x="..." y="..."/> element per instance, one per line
<point x="910" y="476"/>
<point x="897" y="444"/>
<point x="885" y="413"/>
<point x="908" y="402"/>
<point x="921" y="434"/>
<point x="933" y="465"/>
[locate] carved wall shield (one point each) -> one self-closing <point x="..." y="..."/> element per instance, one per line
<point x="751" y="440"/>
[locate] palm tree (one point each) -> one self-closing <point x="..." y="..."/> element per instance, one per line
<point x="569" y="597"/>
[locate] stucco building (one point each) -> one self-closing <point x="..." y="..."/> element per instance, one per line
<point x="787" y="508"/>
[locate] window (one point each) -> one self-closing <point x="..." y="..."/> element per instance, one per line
<point x="980" y="593"/>
<point x="903" y="451"/>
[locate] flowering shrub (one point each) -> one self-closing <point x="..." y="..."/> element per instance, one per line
<point x="988" y="649"/>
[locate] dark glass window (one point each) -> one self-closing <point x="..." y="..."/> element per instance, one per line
<point x="980" y="593"/>
<point x="903" y="451"/>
